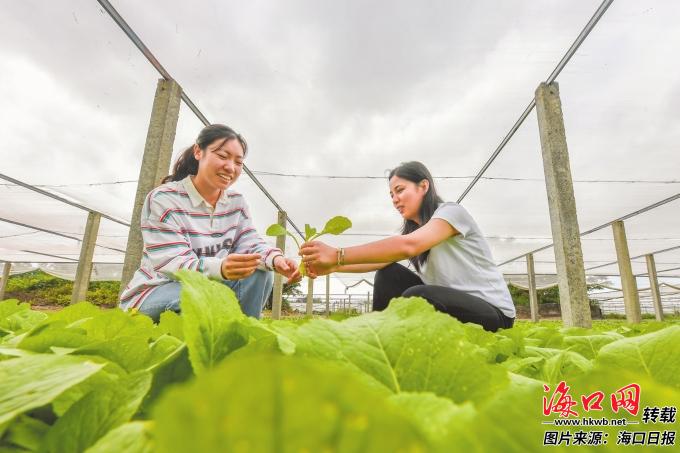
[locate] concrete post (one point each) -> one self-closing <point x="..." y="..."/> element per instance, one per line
<point x="533" y="295"/>
<point x="368" y="301"/>
<point x="277" y="298"/>
<point x="155" y="164"/>
<point x="84" y="269"/>
<point x="653" y="284"/>
<point x="328" y="295"/>
<point x="349" y="303"/>
<point x="631" y="300"/>
<point x="562" y="205"/>
<point x="5" y="277"/>
<point x="310" y="296"/>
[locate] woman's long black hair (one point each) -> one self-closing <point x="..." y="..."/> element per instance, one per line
<point x="416" y="172"/>
<point x="188" y="165"/>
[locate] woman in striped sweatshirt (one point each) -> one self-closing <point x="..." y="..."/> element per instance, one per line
<point x="193" y="222"/>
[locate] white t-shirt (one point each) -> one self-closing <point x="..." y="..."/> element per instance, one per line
<point x="464" y="261"/>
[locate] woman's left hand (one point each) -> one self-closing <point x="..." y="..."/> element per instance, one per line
<point x="288" y="268"/>
<point x="319" y="255"/>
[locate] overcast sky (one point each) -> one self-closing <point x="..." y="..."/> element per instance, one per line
<point x="348" y="88"/>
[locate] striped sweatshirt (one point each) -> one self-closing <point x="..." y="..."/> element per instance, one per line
<point x="182" y="231"/>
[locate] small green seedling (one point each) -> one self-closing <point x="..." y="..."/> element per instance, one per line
<point x="336" y="225"/>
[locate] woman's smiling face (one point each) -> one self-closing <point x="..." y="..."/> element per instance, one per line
<point x="220" y="164"/>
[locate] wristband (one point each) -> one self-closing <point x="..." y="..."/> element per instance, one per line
<point x="341" y="256"/>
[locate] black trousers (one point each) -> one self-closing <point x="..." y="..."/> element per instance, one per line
<point x="396" y="281"/>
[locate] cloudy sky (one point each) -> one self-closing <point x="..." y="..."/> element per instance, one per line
<point x="351" y="89"/>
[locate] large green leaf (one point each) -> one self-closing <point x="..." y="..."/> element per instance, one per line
<point x="33" y="381"/>
<point x="545" y="336"/>
<point x="131" y="353"/>
<point x="432" y="414"/>
<point x="76" y="313"/>
<point x="171" y="323"/>
<point x="589" y="345"/>
<point x="281" y="403"/>
<point x="116" y="323"/>
<point x="309" y="231"/>
<point x="210" y="310"/>
<point x="254" y="330"/>
<point x="407" y="347"/>
<point x="133" y="437"/>
<point x="45" y="336"/>
<point x="657" y="354"/>
<point x="525" y="366"/>
<point x="275" y="230"/>
<point x="18" y="317"/>
<point x="96" y="414"/>
<point x="174" y="368"/>
<point x="565" y="365"/>
<point x="10" y="306"/>
<point x="24" y="432"/>
<point x="336" y="225"/>
<point x="164" y="348"/>
<point x="110" y="374"/>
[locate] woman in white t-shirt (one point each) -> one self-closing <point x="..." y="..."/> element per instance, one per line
<point x="454" y="269"/>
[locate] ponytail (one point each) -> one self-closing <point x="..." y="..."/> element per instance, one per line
<point x="185" y="165"/>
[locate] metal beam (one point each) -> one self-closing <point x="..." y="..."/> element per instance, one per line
<point x="62" y="199"/>
<point x="605" y="225"/>
<point x="25" y="225"/>
<point x="118" y="19"/>
<point x="551" y="78"/>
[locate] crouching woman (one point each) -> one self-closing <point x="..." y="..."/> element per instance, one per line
<point x="192" y="221"/>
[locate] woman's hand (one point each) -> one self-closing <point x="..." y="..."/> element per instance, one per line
<point x="319" y="257"/>
<point x="313" y="272"/>
<point x="237" y="266"/>
<point x="288" y="268"/>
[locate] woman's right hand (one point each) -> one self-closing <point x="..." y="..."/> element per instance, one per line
<point x="237" y="266"/>
<point x="319" y="257"/>
<point x="313" y="272"/>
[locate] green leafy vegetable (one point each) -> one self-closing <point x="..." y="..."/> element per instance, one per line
<point x="133" y="437"/>
<point x="33" y="381"/>
<point x="404" y="379"/>
<point x="298" y="405"/>
<point x="336" y="225"/>
<point x="96" y="414"/>
<point x="209" y="309"/>
<point x="656" y="354"/>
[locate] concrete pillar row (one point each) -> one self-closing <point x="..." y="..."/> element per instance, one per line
<point x="6" y="268"/>
<point x="160" y="139"/>
<point x="277" y="298"/>
<point x="533" y="295"/>
<point x="84" y="270"/>
<point x="328" y="295"/>
<point x="562" y="205"/>
<point x="631" y="299"/>
<point x="654" y="285"/>
<point x="310" y="296"/>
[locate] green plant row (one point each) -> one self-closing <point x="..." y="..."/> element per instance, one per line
<point x="38" y="288"/>
<point x="406" y="379"/>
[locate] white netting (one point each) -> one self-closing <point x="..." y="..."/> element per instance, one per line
<point x="67" y="271"/>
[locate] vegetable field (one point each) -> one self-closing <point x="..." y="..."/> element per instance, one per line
<point x="406" y="379"/>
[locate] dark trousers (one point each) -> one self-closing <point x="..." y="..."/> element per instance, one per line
<point x="397" y="281"/>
